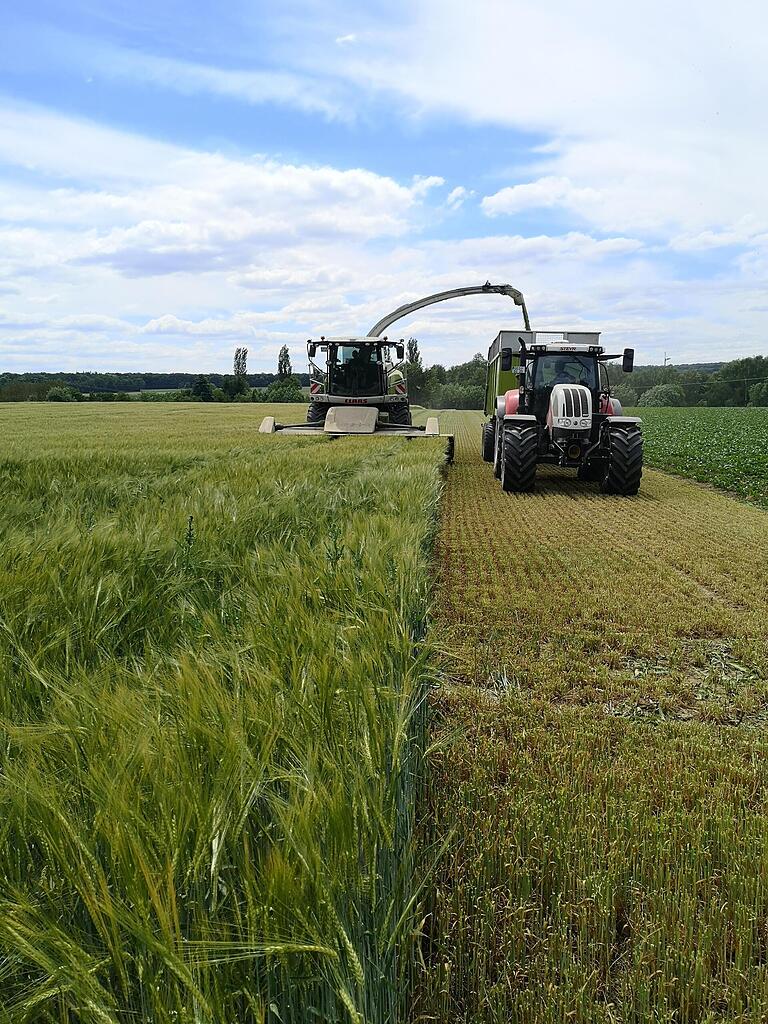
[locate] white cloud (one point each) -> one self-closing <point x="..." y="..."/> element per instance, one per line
<point x="346" y="40"/>
<point x="659" y="109"/>
<point x="546" y="192"/>
<point x="456" y="197"/>
<point x="309" y="93"/>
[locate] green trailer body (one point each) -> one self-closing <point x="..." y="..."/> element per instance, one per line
<point x="500" y="375"/>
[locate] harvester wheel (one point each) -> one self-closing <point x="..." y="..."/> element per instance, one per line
<point x="400" y="414"/>
<point x="625" y="461"/>
<point x="317" y="412"/>
<point x="520" y="450"/>
<point x="489" y="441"/>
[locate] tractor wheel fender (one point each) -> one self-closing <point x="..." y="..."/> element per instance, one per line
<point x="512" y="402"/>
<point x="501" y="407"/>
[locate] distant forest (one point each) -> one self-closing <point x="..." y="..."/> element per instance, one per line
<point x="741" y="382"/>
<point x="20" y="387"/>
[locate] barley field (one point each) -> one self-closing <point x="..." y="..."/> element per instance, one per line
<point x="211" y="716"/>
<point x="598" y="781"/>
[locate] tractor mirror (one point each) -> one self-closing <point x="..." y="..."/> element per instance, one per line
<point x="400" y="349"/>
<point x="506" y="359"/>
<point x="312" y="349"/>
<point x="628" y="362"/>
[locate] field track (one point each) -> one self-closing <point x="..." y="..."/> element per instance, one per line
<point x="605" y="671"/>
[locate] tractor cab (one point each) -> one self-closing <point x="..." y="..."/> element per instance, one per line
<point x="547" y="369"/>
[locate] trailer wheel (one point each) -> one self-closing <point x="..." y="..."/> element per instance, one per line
<point x="489" y="441"/>
<point x="520" y="451"/>
<point x="400" y="414"/>
<point x="316" y="412"/>
<point x="625" y="461"/>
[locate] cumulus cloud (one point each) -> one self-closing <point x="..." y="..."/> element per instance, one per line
<point x="545" y="192"/>
<point x="456" y="197"/>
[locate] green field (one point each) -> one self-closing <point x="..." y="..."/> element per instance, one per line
<point x="724" y="447"/>
<point x="223" y="655"/>
<point x="210" y="715"/>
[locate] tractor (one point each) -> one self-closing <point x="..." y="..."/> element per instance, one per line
<point x="548" y="400"/>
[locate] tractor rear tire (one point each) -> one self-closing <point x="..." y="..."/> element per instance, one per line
<point x="399" y="414"/>
<point x="625" y="461"/>
<point x="317" y="412"/>
<point x="489" y="441"/>
<point x="520" y="452"/>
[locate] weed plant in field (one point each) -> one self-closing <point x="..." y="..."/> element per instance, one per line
<point x="599" y="773"/>
<point x="211" y="700"/>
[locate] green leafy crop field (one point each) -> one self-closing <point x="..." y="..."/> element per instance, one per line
<point x="599" y="775"/>
<point x="209" y="712"/>
<point x="724" y="447"/>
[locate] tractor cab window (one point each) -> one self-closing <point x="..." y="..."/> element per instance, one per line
<point x="560" y="368"/>
<point x="355" y="370"/>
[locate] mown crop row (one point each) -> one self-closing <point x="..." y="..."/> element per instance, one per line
<point x="211" y="690"/>
<point x="727" y="448"/>
<point x="599" y="778"/>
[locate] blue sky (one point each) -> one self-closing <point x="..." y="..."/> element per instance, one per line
<point x="178" y="179"/>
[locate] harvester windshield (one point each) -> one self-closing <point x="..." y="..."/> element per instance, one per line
<point x="355" y="371"/>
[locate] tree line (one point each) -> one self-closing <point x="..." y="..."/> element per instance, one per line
<point x="92" y="386"/>
<point x="740" y="382"/>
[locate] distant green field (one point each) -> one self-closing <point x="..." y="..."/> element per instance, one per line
<point x="724" y="447"/>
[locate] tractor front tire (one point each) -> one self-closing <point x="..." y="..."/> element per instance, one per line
<point x="399" y="414"/>
<point x="625" y="461"/>
<point x="489" y="441"/>
<point x="519" y="455"/>
<point x="317" y="412"/>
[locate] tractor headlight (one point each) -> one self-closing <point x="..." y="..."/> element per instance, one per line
<point x="566" y="423"/>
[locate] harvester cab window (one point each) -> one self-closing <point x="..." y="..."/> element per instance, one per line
<point x="355" y="370"/>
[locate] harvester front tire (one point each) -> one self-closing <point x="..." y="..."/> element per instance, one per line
<point x="488" y="442"/>
<point x="625" y="462"/>
<point x="316" y="413"/>
<point x="519" y="454"/>
<point x="399" y="414"/>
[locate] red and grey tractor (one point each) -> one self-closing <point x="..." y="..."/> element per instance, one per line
<point x="548" y="399"/>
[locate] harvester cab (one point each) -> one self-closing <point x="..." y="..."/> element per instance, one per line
<point x="359" y="372"/>
<point x="559" y="410"/>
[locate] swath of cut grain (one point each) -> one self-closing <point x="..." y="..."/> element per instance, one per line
<point x="606" y="812"/>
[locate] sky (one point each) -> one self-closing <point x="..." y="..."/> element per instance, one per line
<point x="178" y="179"/>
